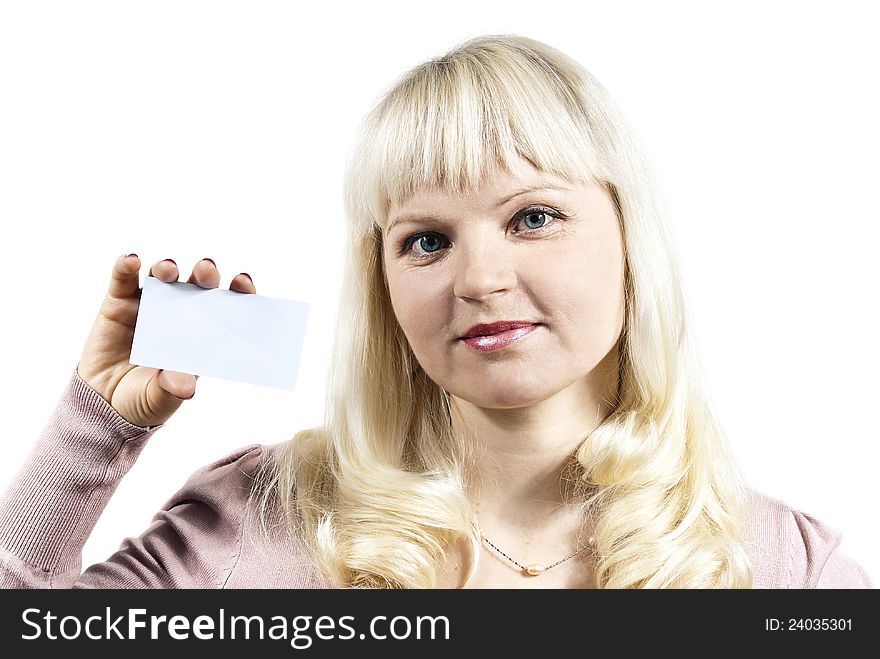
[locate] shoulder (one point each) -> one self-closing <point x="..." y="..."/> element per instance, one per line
<point x="228" y="475"/>
<point x="227" y="485"/>
<point x="790" y="548"/>
<point x="267" y="552"/>
<point x="212" y="515"/>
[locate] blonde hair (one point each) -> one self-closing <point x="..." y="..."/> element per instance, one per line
<point x="377" y="493"/>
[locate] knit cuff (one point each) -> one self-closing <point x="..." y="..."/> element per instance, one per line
<point x="53" y="503"/>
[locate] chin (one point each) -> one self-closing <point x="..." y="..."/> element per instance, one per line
<point x="502" y="397"/>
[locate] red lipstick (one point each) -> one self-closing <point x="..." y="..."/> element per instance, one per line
<point x="495" y="328"/>
<point x="492" y="336"/>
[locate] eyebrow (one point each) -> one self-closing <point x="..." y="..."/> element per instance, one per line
<point x="422" y="217"/>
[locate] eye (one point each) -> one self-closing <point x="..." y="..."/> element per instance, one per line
<point x="534" y="215"/>
<point x="429" y="242"/>
<point x="536" y="219"/>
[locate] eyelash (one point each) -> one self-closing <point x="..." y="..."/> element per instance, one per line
<point x="408" y="242"/>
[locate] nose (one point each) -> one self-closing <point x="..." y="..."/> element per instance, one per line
<point x="482" y="267"/>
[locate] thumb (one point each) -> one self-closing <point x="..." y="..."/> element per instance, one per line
<point x="180" y="385"/>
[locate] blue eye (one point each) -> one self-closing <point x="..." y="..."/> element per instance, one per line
<point x="431" y="242"/>
<point x="535" y="213"/>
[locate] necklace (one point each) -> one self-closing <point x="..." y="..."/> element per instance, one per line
<point x="534" y="569"/>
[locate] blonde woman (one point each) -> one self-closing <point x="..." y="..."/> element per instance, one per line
<point x="514" y="399"/>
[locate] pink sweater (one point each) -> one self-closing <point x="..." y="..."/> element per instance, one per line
<point x="207" y="534"/>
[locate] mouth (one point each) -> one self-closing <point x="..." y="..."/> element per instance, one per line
<point x="484" y="329"/>
<point x="502" y="339"/>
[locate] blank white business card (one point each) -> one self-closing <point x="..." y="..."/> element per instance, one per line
<point x="219" y="333"/>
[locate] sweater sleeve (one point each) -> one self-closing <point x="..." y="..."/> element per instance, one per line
<point x="52" y="504"/>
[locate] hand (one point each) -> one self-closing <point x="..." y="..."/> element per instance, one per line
<point x="142" y="395"/>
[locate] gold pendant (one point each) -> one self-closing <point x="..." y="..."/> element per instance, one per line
<point x="535" y="569"/>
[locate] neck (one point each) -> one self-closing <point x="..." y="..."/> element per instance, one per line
<point x="520" y="458"/>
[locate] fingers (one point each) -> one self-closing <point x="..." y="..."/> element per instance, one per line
<point x="242" y="283"/>
<point x="204" y="274"/>
<point x="165" y="270"/>
<point x="124" y="280"/>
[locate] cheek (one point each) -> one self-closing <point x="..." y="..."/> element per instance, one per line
<point x="416" y="304"/>
<point x="584" y="295"/>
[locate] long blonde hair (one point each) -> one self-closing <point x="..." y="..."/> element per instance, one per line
<point x="377" y="493"/>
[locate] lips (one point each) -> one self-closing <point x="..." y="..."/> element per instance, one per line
<point x="496" y="328"/>
<point x="501" y="339"/>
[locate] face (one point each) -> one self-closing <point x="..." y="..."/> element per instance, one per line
<point x="552" y="257"/>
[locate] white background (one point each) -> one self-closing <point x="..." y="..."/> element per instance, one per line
<point x="190" y="129"/>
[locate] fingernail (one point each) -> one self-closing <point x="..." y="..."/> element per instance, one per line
<point x="170" y="261"/>
<point x="211" y="260"/>
<point x="248" y="276"/>
<point x="128" y="256"/>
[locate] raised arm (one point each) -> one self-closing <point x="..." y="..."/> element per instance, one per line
<point x="107" y="413"/>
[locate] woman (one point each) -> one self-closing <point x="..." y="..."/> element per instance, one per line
<point x="514" y="401"/>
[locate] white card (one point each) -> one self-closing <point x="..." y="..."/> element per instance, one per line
<point x="219" y="333"/>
